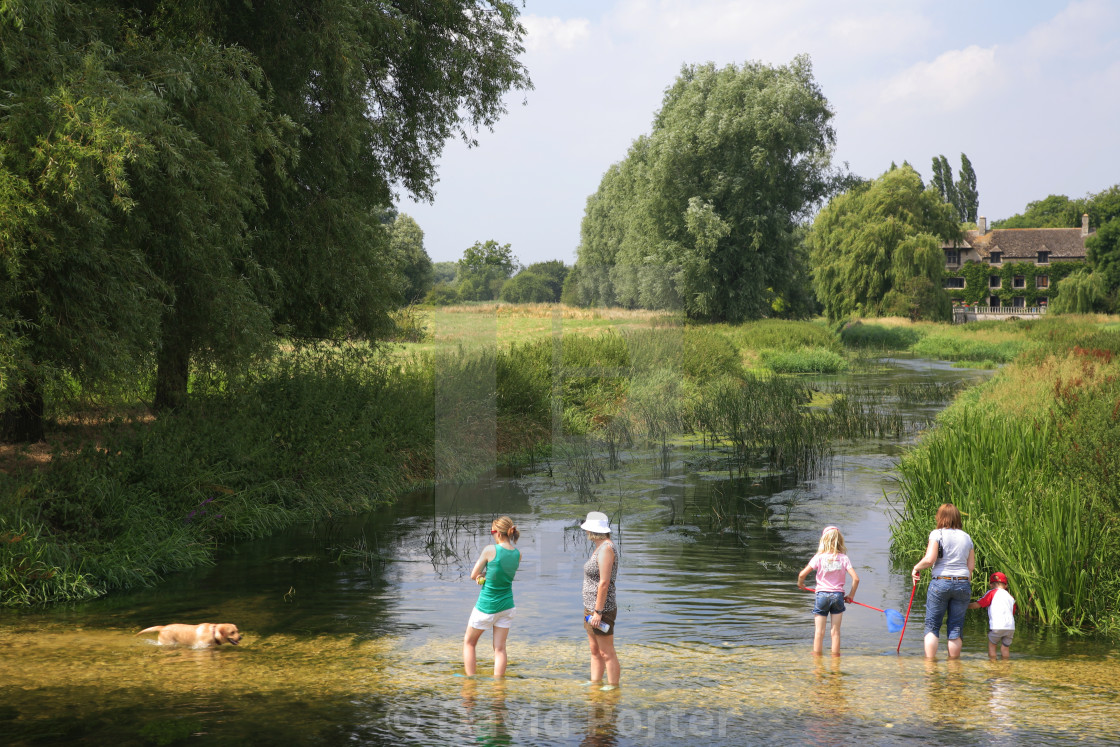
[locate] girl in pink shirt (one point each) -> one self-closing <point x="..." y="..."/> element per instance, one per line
<point x="830" y="564"/>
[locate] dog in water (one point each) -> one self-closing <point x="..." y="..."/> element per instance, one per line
<point x="198" y="636"/>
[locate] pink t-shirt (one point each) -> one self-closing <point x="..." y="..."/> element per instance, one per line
<point x="830" y="571"/>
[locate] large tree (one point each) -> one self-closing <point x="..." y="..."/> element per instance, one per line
<point x="877" y="249"/>
<point x="407" y="244"/>
<point x="703" y="210"/>
<point x="178" y="178"/>
<point x="968" y="198"/>
<point x="483" y="270"/>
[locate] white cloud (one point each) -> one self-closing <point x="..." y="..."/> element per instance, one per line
<point x="546" y="34"/>
<point x="953" y="81"/>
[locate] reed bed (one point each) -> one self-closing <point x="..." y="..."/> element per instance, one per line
<point x="1030" y="458"/>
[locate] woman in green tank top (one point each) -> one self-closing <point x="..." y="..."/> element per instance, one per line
<point x="494" y="571"/>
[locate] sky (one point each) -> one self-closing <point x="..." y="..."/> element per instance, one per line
<point x="1029" y="90"/>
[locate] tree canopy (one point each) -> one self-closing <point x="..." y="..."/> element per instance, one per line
<point x="701" y="214"/>
<point x="876" y="249"/>
<point x="961" y="194"/>
<point x="484" y="269"/>
<point x="407" y="244"/>
<point x="179" y="180"/>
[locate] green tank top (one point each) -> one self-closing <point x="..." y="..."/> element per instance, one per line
<point x="497" y="592"/>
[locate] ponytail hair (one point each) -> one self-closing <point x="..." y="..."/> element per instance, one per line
<point x="832" y="542"/>
<point x="505" y="528"/>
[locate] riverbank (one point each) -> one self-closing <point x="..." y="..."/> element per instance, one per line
<point x="1031" y="459"/>
<point x="323" y="432"/>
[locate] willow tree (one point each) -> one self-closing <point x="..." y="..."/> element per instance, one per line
<point x="877" y="249"/>
<point x="119" y="152"/>
<point x="703" y="211"/>
<point x="179" y="180"/>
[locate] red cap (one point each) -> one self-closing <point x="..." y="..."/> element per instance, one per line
<point x="997" y="578"/>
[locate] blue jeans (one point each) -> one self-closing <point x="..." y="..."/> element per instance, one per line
<point x="829" y="601"/>
<point x="947" y="596"/>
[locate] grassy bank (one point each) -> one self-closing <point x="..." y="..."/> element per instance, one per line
<point x="321" y="431"/>
<point x="1031" y="459"/>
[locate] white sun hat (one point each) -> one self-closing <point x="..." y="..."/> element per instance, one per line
<point x="597" y="522"/>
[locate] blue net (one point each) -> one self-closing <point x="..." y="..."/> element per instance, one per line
<point x="895" y="621"/>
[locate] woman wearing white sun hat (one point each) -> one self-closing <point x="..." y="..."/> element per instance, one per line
<point x="599" y="574"/>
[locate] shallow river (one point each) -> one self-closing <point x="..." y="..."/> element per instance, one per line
<point x="352" y="629"/>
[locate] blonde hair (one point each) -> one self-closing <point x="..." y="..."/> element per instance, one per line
<point x="832" y="542"/>
<point x="506" y="529"/>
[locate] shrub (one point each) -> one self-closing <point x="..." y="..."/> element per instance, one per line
<point x="878" y="337"/>
<point x="805" y="360"/>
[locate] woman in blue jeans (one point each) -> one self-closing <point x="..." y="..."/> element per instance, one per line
<point x="951" y="555"/>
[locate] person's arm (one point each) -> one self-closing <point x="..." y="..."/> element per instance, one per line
<point x="802" y="576"/>
<point x="606" y="565"/>
<point x="971" y="562"/>
<point x="984" y="601"/>
<point x="855" y="584"/>
<point x="484" y="557"/>
<point x="927" y="561"/>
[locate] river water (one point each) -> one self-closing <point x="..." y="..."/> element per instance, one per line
<point x="352" y="628"/>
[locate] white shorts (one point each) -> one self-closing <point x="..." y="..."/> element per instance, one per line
<point x="484" y="621"/>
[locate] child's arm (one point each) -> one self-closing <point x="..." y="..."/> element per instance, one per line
<point x="984" y="601"/>
<point x="802" y="576"/>
<point x="855" y="584"/>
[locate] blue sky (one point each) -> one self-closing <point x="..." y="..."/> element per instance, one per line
<point x="1027" y="89"/>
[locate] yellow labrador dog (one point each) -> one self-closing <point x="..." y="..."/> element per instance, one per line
<point x="198" y="636"/>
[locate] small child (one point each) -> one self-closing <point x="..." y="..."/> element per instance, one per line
<point x="830" y="563"/>
<point x="1001" y="615"/>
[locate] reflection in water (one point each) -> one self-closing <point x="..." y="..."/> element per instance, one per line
<point x="353" y="629"/>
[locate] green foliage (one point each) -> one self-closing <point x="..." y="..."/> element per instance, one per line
<point x="968" y="198"/>
<point x="1081" y="292"/>
<point x="442" y="294"/>
<point x="407" y="246"/>
<point x="878" y="248"/>
<point x="977" y="277"/>
<point x="485" y="266"/>
<point x="862" y="335"/>
<point x="529" y="287"/>
<point x="178" y="178"/>
<point x="805" y="360"/>
<point x="953" y="346"/>
<point x="708" y="355"/>
<point x="710" y="227"/>
<point x="779" y="334"/>
<point x="1055" y="211"/>
<point x="1103" y="253"/>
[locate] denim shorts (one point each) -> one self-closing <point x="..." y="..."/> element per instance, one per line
<point x="829" y="601"/>
<point x="951" y="597"/>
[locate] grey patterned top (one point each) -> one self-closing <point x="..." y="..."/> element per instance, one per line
<point x="591" y="579"/>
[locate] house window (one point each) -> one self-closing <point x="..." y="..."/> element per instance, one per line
<point x="995" y="257"/>
<point x="952" y="257"/>
<point x="1044" y="258"/>
<point x="954" y="282"/>
<point x="993" y="301"/>
<point x="1042" y="281"/>
<point x="994" y="281"/>
<point x="1019" y="281"/>
<point x="1019" y="302"/>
